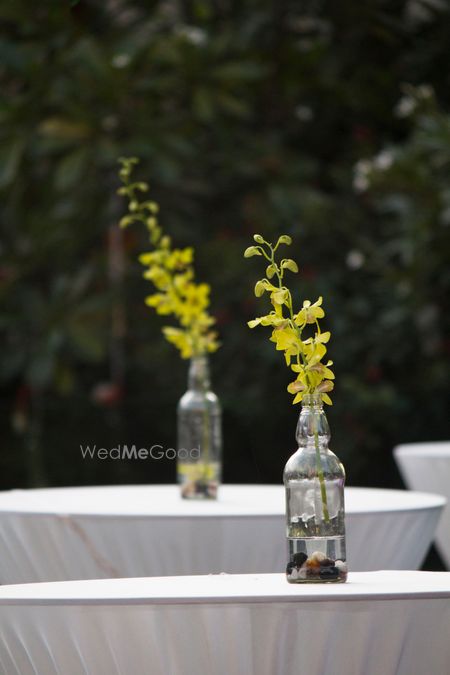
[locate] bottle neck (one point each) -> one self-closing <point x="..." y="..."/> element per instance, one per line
<point x="312" y="427"/>
<point x="198" y="378"/>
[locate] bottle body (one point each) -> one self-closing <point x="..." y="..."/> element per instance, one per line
<point x="199" y="428"/>
<point x="315" y="512"/>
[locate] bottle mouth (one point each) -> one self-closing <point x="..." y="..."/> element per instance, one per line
<point x="198" y="377"/>
<point x="312" y="399"/>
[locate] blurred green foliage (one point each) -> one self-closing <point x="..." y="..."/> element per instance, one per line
<point x="249" y="117"/>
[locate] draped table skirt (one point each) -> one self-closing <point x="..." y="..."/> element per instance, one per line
<point x="389" y="623"/>
<point x="426" y="466"/>
<point x="131" y="531"/>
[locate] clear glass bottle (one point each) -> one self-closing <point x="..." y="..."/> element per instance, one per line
<point x="199" y="435"/>
<point x="315" y="515"/>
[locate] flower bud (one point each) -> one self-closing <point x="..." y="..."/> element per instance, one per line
<point x="324" y="386"/>
<point x="284" y="239"/>
<point x="251" y="251"/>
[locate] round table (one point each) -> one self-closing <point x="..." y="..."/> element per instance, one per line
<point x="426" y="466"/>
<point x="129" y="531"/>
<point x="394" y="623"/>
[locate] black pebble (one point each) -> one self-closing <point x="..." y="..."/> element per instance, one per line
<point x="326" y="563"/>
<point x="290" y="567"/>
<point x="202" y="488"/>
<point x="329" y="572"/>
<point x="299" y="559"/>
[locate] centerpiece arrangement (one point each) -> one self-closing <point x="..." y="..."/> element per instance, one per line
<point x="171" y="271"/>
<point x="313" y="477"/>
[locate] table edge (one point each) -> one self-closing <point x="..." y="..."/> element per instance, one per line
<point x="437" y="501"/>
<point x="222" y="600"/>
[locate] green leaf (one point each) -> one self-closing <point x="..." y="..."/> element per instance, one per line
<point x="71" y="169"/>
<point x="40" y="370"/>
<point x="202" y="104"/>
<point x="238" y="71"/>
<point x="234" y="106"/>
<point x="10" y="156"/>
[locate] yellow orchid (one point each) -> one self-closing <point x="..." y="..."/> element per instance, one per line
<point x="309" y="313"/>
<point x="162" y="302"/>
<point x="303" y="355"/>
<point x="171" y="272"/>
<point x="158" y="276"/>
<point x="286" y="340"/>
<point x="197" y="296"/>
<point x="269" y="320"/>
<point x="179" y="259"/>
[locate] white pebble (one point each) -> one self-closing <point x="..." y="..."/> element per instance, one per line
<point x="318" y="556"/>
<point x="293" y="574"/>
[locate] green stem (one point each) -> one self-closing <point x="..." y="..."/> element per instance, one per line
<point x="323" y="490"/>
<point x="206" y="439"/>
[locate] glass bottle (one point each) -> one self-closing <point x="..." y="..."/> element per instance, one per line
<point x="199" y="435"/>
<point x="315" y="516"/>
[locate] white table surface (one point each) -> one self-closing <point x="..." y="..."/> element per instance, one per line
<point x="132" y="531"/>
<point x="426" y="466"/>
<point x="379" y="623"/>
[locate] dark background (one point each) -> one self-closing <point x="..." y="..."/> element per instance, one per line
<point x="249" y="116"/>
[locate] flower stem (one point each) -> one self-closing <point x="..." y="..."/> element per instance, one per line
<point x="323" y="490"/>
<point x="206" y="438"/>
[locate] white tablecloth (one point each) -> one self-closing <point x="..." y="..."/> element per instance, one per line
<point x="426" y="466"/>
<point x="130" y="531"/>
<point x="379" y="623"/>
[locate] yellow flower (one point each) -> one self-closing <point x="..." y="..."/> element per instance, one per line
<point x="178" y="259"/>
<point x="309" y="313"/>
<point x="181" y="339"/>
<point x="296" y="386"/>
<point x="162" y="302"/>
<point x="158" y="276"/>
<point x="303" y="354"/>
<point x="152" y="258"/>
<point x="269" y="320"/>
<point x="197" y="295"/>
<point x="171" y="272"/>
<point x="195" y="301"/>
<point x="286" y="339"/>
